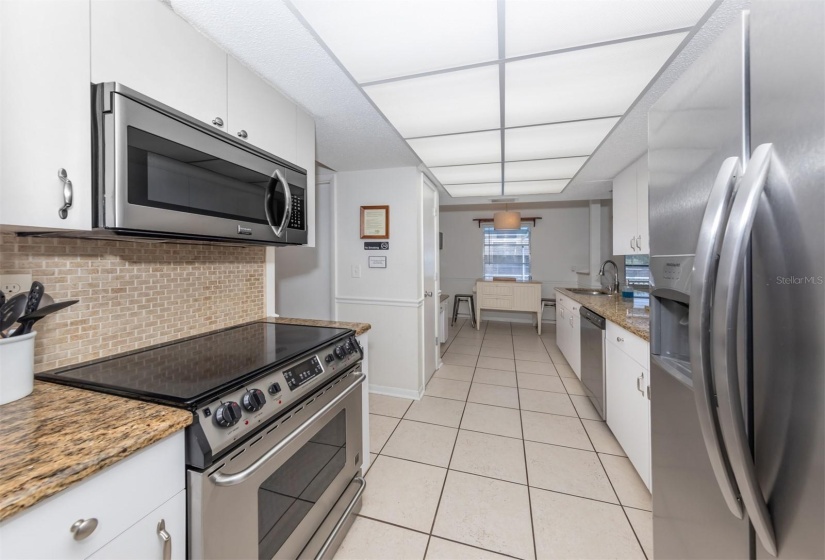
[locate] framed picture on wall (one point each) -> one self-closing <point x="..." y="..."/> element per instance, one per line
<point x="375" y="222"/>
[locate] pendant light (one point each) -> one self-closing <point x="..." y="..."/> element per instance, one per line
<point x="507" y="220"/>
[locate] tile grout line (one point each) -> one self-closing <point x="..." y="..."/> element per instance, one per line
<point x="613" y="487"/>
<point x="447" y="473"/>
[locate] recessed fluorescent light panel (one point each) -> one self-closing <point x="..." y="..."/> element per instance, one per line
<point x="462" y="101"/>
<point x="484" y="173"/>
<point x="477" y="189"/>
<point x="556" y="140"/>
<point x="569" y="69"/>
<point x="535" y="26"/>
<point x="597" y="82"/>
<point x="535" y="187"/>
<point x="380" y="39"/>
<point x="459" y="149"/>
<point x="563" y="168"/>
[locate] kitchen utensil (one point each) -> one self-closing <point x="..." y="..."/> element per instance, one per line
<point x="11" y="311"/>
<point x="28" y="320"/>
<point x="45" y="300"/>
<point x="35" y="294"/>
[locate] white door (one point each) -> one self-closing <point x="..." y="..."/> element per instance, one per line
<point x="429" y="213"/>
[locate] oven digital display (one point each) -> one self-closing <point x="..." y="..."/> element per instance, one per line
<point x="303" y="372"/>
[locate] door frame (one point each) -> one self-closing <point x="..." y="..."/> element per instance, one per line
<point x="435" y="300"/>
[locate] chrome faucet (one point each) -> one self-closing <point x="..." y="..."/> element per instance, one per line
<point x="614" y="288"/>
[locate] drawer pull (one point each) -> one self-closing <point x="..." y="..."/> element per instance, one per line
<point x="82" y="528"/>
<point x="166" y="538"/>
<point x="639" y="384"/>
<point x="217" y="121"/>
<point x="619" y="339"/>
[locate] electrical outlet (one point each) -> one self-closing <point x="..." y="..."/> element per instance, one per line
<point x="356" y="271"/>
<point x="15" y="283"/>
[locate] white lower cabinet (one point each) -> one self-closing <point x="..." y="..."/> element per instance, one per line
<point x="149" y="538"/>
<point x="107" y="506"/>
<point x="568" y="331"/>
<point x="628" y="404"/>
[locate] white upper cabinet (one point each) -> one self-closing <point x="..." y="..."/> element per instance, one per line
<point x="145" y="46"/>
<point x="630" y="210"/>
<point x="45" y="114"/>
<point x="259" y="114"/>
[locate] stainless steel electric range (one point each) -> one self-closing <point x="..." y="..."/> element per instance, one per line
<point x="275" y="449"/>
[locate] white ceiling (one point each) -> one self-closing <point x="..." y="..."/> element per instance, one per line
<point x="451" y="109"/>
<point x="447" y="68"/>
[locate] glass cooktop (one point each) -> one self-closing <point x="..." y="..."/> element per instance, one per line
<point x="189" y="371"/>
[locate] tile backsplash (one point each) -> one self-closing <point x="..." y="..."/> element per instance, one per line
<point x="133" y="294"/>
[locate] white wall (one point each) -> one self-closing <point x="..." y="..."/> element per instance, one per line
<point x="303" y="275"/>
<point x="560" y="242"/>
<point x="391" y="298"/>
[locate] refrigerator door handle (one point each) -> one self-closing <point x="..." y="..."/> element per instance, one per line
<point x="725" y="330"/>
<point x="704" y="273"/>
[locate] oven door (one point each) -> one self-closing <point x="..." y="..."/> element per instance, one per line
<point x="160" y="172"/>
<point x="295" y="483"/>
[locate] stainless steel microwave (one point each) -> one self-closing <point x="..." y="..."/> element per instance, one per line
<point x="161" y="174"/>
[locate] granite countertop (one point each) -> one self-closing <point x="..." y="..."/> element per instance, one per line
<point x="614" y="309"/>
<point x="359" y="328"/>
<point x="59" y="435"/>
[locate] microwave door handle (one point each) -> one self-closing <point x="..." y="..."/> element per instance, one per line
<point x="725" y="331"/>
<point x="704" y="274"/>
<point x="277" y="177"/>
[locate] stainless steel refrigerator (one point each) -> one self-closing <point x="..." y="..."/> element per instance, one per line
<point x="737" y="236"/>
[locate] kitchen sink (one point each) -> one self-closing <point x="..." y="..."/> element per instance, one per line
<point x="587" y="292"/>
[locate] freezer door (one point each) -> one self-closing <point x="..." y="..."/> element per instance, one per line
<point x="788" y="111"/>
<point x="696" y="125"/>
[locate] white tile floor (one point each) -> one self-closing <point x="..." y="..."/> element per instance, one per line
<point x="502" y="457"/>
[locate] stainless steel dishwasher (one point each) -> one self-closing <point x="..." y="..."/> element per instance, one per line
<point x="592" y="358"/>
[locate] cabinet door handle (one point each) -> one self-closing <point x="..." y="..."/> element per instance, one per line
<point x="639" y="384"/>
<point x="68" y="194"/>
<point x="632" y="240"/>
<point x="166" y="538"/>
<point x="243" y="134"/>
<point x="639" y="242"/>
<point x="619" y="339"/>
<point x="82" y="528"/>
<point x="217" y="121"/>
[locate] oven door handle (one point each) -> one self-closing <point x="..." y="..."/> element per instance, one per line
<point x="337" y="529"/>
<point x="220" y="479"/>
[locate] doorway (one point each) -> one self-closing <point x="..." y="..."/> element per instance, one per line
<point x="429" y="213"/>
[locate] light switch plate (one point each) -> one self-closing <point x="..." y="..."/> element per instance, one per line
<point x="356" y="271"/>
<point x="15" y="283"/>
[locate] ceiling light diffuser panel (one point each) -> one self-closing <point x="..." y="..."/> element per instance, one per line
<point x="582" y="84"/>
<point x="479" y="189"/>
<point x="484" y="173"/>
<point x="535" y="26"/>
<point x="462" y="101"/>
<point x="556" y="140"/>
<point x="563" y="168"/>
<point x="380" y="39"/>
<point x="458" y="149"/>
<point x="535" y="187"/>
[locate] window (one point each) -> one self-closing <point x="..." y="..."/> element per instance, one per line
<point x="507" y="253"/>
<point x="637" y="271"/>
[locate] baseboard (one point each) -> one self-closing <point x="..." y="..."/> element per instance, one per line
<point x="396" y="392"/>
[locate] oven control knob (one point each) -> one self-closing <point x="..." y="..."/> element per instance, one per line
<point x="275" y="388"/>
<point x="340" y="353"/>
<point x="227" y="414"/>
<point x="253" y="400"/>
<point x="329" y="359"/>
<point x="349" y="348"/>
